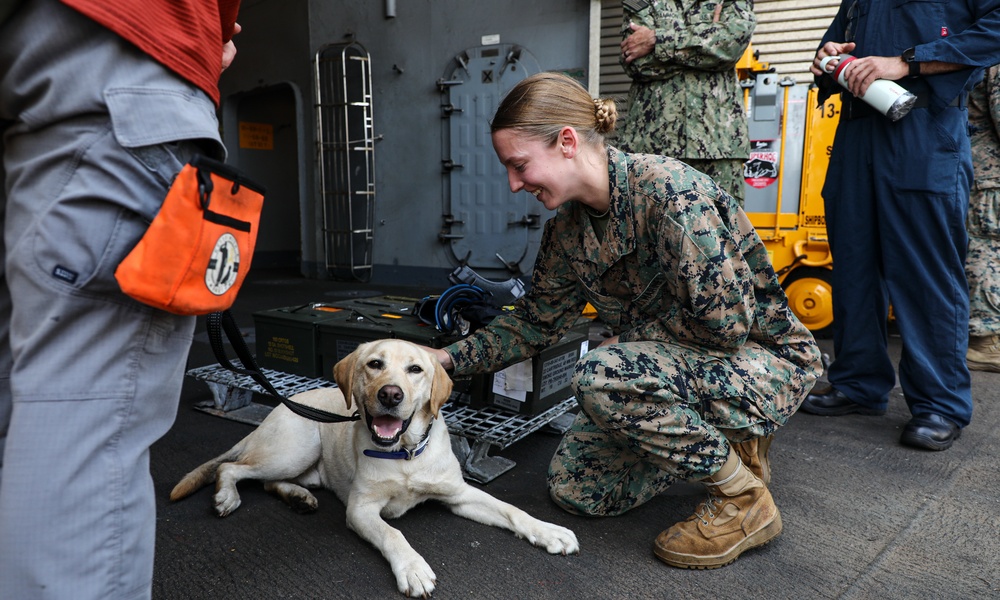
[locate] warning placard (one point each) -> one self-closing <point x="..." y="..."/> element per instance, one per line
<point x="256" y="136"/>
<point x="761" y="169"/>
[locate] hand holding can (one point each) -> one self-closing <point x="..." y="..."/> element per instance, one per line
<point x="887" y="97"/>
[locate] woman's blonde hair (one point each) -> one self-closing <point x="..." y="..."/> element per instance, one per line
<point x="542" y="104"/>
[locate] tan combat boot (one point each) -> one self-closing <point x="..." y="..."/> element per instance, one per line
<point x="739" y="514"/>
<point x="753" y="453"/>
<point x="984" y="353"/>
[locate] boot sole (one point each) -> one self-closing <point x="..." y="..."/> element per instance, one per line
<point x="927" y="443"/>
<point x="689" y="561"/>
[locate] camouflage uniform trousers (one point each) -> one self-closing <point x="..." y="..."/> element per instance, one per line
<point x="727" y="172"/>
<point x="982" y="264"/>
<point x="643" y="425"/>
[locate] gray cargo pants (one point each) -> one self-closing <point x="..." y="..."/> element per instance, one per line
<point x="93" y="133"/>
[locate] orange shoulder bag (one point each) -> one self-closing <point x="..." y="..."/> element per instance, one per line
<point x="197" y="250"/>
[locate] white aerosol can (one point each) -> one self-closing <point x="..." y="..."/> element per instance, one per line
<point x="888" y="97"/>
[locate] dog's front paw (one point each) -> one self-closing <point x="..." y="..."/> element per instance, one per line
<point x="415" y="578"/>
<point x="554" y="538"/>
<point x="226" y="501"/>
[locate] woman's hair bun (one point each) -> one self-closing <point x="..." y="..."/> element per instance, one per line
<point x="606" y="114"/>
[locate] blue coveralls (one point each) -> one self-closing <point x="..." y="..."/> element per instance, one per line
<point x="896" y="197"/>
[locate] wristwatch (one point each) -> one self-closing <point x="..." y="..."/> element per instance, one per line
<point x="907" y="57"/>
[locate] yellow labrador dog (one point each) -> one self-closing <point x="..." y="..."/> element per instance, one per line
<point x="395" y="457"/>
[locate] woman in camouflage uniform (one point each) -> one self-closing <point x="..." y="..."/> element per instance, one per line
<point x="707" y="360"/>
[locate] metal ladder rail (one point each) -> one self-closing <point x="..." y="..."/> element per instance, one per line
<point x="348" y="204"/>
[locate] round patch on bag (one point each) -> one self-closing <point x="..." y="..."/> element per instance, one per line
<point x="223" y="266"/>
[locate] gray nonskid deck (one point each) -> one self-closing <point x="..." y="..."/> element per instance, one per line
<point x="863" y="518"/>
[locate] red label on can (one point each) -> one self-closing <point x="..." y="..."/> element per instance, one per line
<point x="844" y="61"/>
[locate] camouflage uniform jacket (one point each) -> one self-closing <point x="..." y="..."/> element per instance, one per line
<point x="685" y="100"/>
<point x="680" y="263"/>
<point x="984" y="127"/>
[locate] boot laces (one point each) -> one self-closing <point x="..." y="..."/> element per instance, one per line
<point x="708" y="509"/>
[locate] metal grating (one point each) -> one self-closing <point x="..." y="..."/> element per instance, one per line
<point x="286" y="383"/>
<point x="496" y="427"/>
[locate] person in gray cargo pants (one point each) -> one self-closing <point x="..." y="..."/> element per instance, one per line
<point x="93" y="132"/>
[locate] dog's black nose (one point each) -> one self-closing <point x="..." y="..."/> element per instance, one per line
<point x="390" y="395"/>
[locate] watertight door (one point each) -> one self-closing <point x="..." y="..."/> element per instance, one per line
<point x="486" y="226"/>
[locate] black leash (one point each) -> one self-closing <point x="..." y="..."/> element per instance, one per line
<point x="223" y="321"/>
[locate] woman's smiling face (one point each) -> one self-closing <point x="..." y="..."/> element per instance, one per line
<point x="541" y="169"/>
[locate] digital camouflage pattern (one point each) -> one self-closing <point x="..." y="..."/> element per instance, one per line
<point x="685" y="100"/>
<point x="982" y="267"/>
<point x="727" y="172"/>
<point x="708" y="347"/>
<point x="654" y="413"/>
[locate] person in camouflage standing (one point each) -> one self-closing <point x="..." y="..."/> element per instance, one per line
<point x="685" y="100"/>
<point x="707" y="360"/>
<point x="983" y="223"/>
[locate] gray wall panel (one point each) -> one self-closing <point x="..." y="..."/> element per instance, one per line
<point x="409" y="53"/>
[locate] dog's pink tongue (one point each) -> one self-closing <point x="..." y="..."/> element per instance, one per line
<point x="387" y="427"/>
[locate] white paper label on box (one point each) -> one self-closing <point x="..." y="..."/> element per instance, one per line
<point x="514" y="382"/>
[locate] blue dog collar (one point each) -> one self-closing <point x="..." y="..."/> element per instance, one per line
<point x="403" y="454"/>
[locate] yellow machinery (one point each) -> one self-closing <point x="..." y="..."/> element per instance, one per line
<point x="791" y="139"/>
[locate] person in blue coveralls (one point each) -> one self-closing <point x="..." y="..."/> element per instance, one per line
<point x="896" y="195"/>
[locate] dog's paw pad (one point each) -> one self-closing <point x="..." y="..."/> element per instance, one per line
<point x="226" y="503"/>
<point x="303" y="505"/>
<point x="416" y="580"/>
<point x="558" y="540"/>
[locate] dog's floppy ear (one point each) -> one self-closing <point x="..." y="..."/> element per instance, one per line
<point x="343" y="374"/>
<point x="440" y="388"/>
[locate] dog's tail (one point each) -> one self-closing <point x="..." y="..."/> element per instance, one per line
<point x="203" y="475"/>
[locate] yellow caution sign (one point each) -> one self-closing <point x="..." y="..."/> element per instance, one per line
<point x="256" y="136"/>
